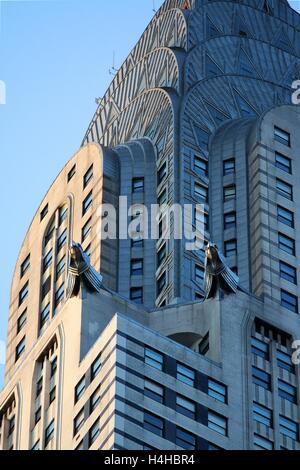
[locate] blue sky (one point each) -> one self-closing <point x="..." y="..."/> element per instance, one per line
<point x="54" y="59"/>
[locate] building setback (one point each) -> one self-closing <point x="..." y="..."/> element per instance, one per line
<point x="200" y="112"/>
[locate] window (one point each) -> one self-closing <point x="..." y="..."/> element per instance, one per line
<point x="52" y="395"/>
<point x="46" y="287"/>
<point x="217" y="423"/>
<point x="96" y="367"/>
<point x="44" y="212"/>
<point x="63" y="213"/>
<point x="217" y="390"/>
<point x="154" y="391"/>
<point x="45" y="315"/>
<point x="229" y="167"/>
<point x="95" y="400"/>
<point x="161" y="283"/>
<point x="284" y="189"/>
<point x="262" y="415"/>
<point x="287" y="272"/>
<point x="154" y="424"/>
<point x="201" y="166"/>
<point x="47" y="260"/>
<point x="23" y="294"/>
<point x="137" y="242"/>
<point x="289" y="301"/>
<point x="21" y="321"/>
<point x="86" y="230"/>
<point x="161" y="255"/>
<point x="282" y="136"/>
<point x="88" y="176"/>
<point x="162" y="198"/>
<point x="286" y="244"/>
<point x="53" y="367"/>
<point x="261" y="378"/>
<point x="59" y="295"/>
<point x="49" y="433"/>
<point x="199" y="274"/>
<point x="204" y="345"/>
<point x="50" y="233"/>
<point x="38" y="415"/>
<point x="288" y="428"/>
<point x="62" y="239"/>
<point x="154" y="359"/>
<point x="283" y="163"/>
<point x="71" y="173"/>
<point x="60" y="268"/>
<point x="284" y="361"/>
<point x="20" y="349"/>
<point x="36" y="446"/>
<point x="94" y="432"/>
<point x="229" y="193"/>
<point x="162" y="173"/>
<point x="230" y="220"/>
<point x="201" y="192"/>
<point x="138" y="185"/>
<point x="185" y="375"/>
<point x="87" y="203"/>
<point x="260" y="348"/>
<point x="186" y="407"/>
<point x="136" y="295"/>
<point x="11" y="425"/>
<point x="137" y="267"/>
<point x="25" y="266"/>
<point x="260" y="443"/>
<point x="287" y="391"/>
<point x="185" y="439"/>
<point x="79" y="389"/>
<point x="285" y="216"/>
<point x="230" y="248"/>
<point x="39" y="387"/>
<point x="78" y="422"/>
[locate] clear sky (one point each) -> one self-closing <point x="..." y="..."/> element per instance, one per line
<point x="55" y="57"/>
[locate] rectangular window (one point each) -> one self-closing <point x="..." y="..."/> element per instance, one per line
<point x="138" y="185"/>
<point x="59" y="295"/>
<point x="201" y="166"/>
<point x="86" y="230"/>
<point x="260" y="348"/>
<point x="79" y="422"/>
<point x="60" y="268"/>
<point x="283" y="163"/>
<point x="185" y="407"/>
<point x="162" y="198"/>
<point x="95" y="400"/>
<point x="137" y="267"/>
<point x="44" y="212"/>
<point x="230" y="248"/>
<point x="284" y="189"/>
<point x="260" y="443"/>
<point x="185" y="439"/>
<point x="154" y="391"/>
<point x="285" y="216"/>
<point x="154" y="424"/>
<point x="63" y="213"/>
<point x="217" y="423"/>
<point x="71" y="173"/>
<point x="161" y="174"/>
<point x="52" y="395"/>
<point x="39" y="387"/>
<point x="199" y="274"/>
<point x="87" y="203"/>
<point x="79" y="389"/>
<point x="287" y="391"/>
<point x="11" y="425"/>
<point x="36" y="446"/>
<point x="289" y="301"/>
<point x="201" y="192"/>
<point x="94" y="432"/>
<point x="21" y="321"/>
<point x="261" y="378"/>
<point x="49" y="433"/>
<point x="62" y="240"/>
<point x="262" y="415"/>
<point x="154" y="359"/>
<point x="20" y="349"/>
<point x="45" y="315"/>
<point x="229" y="167"/>
<point x="46" y="287"/>
<point x="47" y="261"/>
<point x="284" y="361"/>
<point x="217" y="390"/>
<point x="287" y="272"/>
<point x="136" y="295"/>
<point x="229" y="193"/>
<point x="96" y="367"/>
<point x="288" y="428"/>
<point x="161" y="255"/>
<point x="161" y="283"/>
<point x="53" y="367"/>
<point x="204" y="345"/>
<point x="185" y="375"/>
<point x="25" y="266"/>
<point x="286" y="244"/>
<point x="23" y="294"/>
<point x="88" y="176"/>
<point x="230" y="220"/>
<point x="282" y="136"/>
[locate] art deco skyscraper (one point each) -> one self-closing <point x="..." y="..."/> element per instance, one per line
<point x="200" y="112"/>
